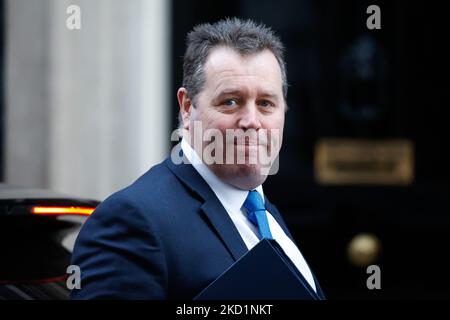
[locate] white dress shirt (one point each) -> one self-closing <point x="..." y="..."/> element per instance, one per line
<point x="233" y="199"/>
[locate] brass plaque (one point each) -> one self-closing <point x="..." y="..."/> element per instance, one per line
<point x="358" y="161"/>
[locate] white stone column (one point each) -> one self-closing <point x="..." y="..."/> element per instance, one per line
<point x="106" y="94"/>
<point x="26" y="93"/>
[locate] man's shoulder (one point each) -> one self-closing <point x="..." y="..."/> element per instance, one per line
<point x="157" y="187"/>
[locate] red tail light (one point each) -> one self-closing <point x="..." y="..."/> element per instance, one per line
<point x="77" y="211"/>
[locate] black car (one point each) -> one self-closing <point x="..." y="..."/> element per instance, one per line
<point x="38" y="229"/>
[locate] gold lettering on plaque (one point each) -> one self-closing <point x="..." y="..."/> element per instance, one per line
<point x="363" y="161"/>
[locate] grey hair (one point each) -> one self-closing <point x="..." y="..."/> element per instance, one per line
<point x="244" y="36"/>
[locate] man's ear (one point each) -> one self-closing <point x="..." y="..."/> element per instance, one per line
<point x="185" y="106"/>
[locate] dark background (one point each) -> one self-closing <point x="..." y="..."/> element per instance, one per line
<point x="406" y="98"/>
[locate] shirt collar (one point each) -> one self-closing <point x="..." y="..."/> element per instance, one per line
<point x="232" y="198"/>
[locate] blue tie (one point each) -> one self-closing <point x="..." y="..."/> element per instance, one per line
<point x="256" y="213"/>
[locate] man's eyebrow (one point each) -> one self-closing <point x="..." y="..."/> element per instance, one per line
<point x="229" y="91"/>
<point x="266" y="94"/>
<point x="269" y="95"/>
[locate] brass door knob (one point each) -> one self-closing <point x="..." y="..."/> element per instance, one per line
<point x="363" y="249"/>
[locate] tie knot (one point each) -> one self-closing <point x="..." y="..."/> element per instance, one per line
<point x="254" y="202"/>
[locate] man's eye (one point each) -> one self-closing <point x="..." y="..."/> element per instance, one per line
<point x="230" y="102"/>
<point x="265" y="103"/>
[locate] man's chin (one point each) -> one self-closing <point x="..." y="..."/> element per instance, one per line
<point x="248" y="169"/>
<point x="242" y="176"/>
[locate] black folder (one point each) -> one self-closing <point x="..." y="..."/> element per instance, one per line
<point x="263" y="273"/>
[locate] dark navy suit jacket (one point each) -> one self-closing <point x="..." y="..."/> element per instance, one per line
<point x="167" y="236"/>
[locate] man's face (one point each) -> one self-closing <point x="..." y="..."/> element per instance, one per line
<point x="240" y="92"/>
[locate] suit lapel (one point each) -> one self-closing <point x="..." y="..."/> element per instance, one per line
<point x="277" y="216"/>
<point x="224" y="227"/>
<point x="319" y="289"/>
<point x="211" y="208"/>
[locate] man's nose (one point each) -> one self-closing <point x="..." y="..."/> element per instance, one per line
<point x="249" y="118"/>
